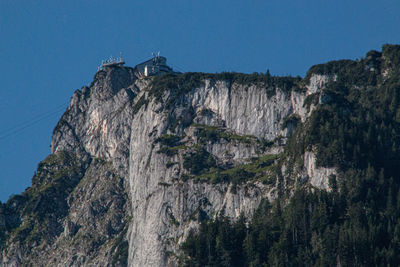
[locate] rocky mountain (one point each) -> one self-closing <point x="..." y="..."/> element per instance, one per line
<point x="138" y="164"/>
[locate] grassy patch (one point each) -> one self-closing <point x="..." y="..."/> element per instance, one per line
<point x="198" y="161"/>
<point x="211" y="133"/>
<point x="171" y="151"/>
<point x="45" y="201"/>
<point x="168" y="140"/>
<point x="312" y="99"/>
<point x="170" y="144"/>
<point x="23" y="231"/>
<point x="120" y="249"/>
<point x="164" y="184"/>
<point x="262" y="169"/>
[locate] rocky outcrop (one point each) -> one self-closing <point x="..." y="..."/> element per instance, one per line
<point x="116" y="126"/>
<point x="74" y="214"/>
<point x="319" y="176"/>
<point x="139" y="192"/>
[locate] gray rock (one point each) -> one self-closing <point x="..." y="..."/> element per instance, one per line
<point x="131" y="203"/>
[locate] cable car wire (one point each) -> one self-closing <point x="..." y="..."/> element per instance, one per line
<point x="38" y="118"/>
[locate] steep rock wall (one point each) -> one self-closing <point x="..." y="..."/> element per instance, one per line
<point x="115" y="125"/>
<point x="164" y="207"/>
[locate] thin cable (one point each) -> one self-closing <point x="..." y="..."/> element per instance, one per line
<point x="22" y="127"/>
<point x="176" y="67"/>
<point x="56" y="109"/>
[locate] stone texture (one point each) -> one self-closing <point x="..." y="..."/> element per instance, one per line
<point x="318" y="175"/>
<point x="130" y="203"/>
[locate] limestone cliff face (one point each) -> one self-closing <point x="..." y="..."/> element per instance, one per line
<point x="107" y="120"/>
<point x="153" y="159"/>
<point x="159" y="196"/>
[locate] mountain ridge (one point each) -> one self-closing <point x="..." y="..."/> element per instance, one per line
<point x="146" y="161"/>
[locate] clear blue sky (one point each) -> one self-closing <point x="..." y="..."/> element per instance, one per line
<point x="48" y="49"/>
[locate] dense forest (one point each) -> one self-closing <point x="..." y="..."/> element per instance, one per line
<point x="354" y="128"/>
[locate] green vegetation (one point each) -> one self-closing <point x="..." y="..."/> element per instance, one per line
<point x="120" y="257"/>
<point x="356" y="128"/>
<point x="22" y="232"/>
<point x="176" y="84"/>
<point x="207" y="133"/>
<point x="391" y="54"/>
<point x="169" y="140"/>
<point x="314" y="229"/>
<point x="143" y="101"/>
<point x="41" y="205"/>
<point x="358" y="72"/>
<point x="312" y="99"/>
<point x="198" y="161"/>
<point x="57" y="175"/>
<point x="165" y="184"/>
<point x="293" y="119"/>
<point x="262" y="169"/>
<point x="213" y="134"/>
<point x="217" y="244"/>
<point x="171" y="151"/>
<point x="170" y="144"/>
<point x="180" y="84"/>
<point x="203" y="166"/>
<point x="120" y="249"/>
<point x="267" y="80"/>
<point x="357" y="223"/>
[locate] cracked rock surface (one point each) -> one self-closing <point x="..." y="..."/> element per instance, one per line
<point x="122" y="187"/>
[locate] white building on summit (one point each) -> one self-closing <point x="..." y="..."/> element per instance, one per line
<point x="155" y="66"/>
<point x="111" y="62"/>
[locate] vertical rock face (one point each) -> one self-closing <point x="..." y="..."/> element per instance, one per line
<point x="147" y="163"/>
<point x="97" y="121"/>
<point x="162" y="204"/>
<point x="110" y="121"/>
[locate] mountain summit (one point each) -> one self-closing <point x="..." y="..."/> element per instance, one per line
<point x="223" y="169"/>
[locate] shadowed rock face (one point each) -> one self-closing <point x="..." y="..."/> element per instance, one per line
<point x="137" y="163"/>
<point x="74" y="212"/>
